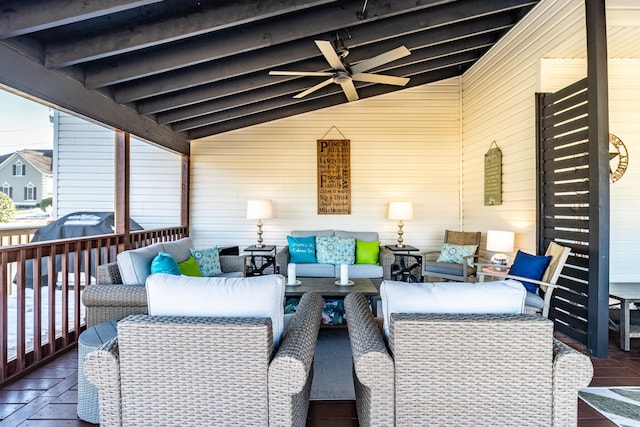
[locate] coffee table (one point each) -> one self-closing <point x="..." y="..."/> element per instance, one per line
<point x="326" y="287"/>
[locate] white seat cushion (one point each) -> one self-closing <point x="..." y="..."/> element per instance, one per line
<point x="442" y="297"/>
<point x="259" y="296"/>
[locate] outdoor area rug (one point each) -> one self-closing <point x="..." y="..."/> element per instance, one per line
<point x="332" y="366"/>
<point x="619" y="404"/>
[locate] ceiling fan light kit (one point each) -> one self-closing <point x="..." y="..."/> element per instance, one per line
<point x="343" y="74"/>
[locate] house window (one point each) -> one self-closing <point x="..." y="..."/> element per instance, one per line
<point x="7" y="189"/>
<point x="18" y="169"/>
<point x="30" y="192"/>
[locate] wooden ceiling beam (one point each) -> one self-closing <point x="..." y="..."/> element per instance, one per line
<point x="276" y="56"/>
<point x="266" y="104"/>
<point x="295" y="86"/>
<point x="19" y="17"/>
<point x="251" y="82"/>
<point x="307" y="24"/>
<point x="120" y="41"/>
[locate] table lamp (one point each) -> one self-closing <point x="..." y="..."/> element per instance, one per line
<point x="260" y="209"/>
<point x="400" y="211"/>
<point x="500" y="242"/>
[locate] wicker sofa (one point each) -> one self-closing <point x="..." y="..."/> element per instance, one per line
<point x="195" y="371"/>
<point x="119" y="290"/>
<point x="463" y="370"/>
<point x="370" y="271"/>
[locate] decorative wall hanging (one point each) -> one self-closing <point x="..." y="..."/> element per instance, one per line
<point x="493" y="176"/>
<point x="334" y="175"/>
<point x="618" y="158"/>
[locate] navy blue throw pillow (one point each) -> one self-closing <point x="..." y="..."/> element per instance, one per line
<point x="531" y="267"/>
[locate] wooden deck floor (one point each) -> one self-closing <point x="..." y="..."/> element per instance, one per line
<point x="47" y="397"/>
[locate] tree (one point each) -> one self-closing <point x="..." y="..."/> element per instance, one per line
<point x="45" y="203"/>
<point x="7" y="208"/>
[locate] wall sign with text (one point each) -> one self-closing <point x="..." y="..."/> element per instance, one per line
<point x="334" y="176"/>
<point x="493" y="176"/>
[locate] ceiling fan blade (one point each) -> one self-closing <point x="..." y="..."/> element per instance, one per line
<point x="301" y="73"/>
<point x="380" y="78"/>
<point x="314" y="88"/>
<point x="330" y="54"/>
<point x="383" y="58"/>
<point x="350" y="90"/>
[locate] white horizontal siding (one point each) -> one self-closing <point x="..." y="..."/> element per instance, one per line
<point x="499" y="105"/>
<point x="404" y="146"/>
<point x="85" y="178"/>
<point x="624" y="110"/>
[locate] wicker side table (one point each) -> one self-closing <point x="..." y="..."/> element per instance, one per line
<point x="89" y="340"/>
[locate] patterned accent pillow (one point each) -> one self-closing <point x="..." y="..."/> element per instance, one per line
<point x="208" y="261"/>
<point x="335" y="250"/>
<point x="455" y="253"/>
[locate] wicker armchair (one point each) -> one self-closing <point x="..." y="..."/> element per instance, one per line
<point x="109" y="299"/>
<point x="195" y="371"/>
<point x="463" y="370"/>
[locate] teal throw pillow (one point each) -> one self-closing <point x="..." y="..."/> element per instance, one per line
<point x="455" y="253"/>
<point x="190" y="267"/>
<point x="208" y="261"/>
<point x="164" y="263"/>
<point x="302" y="250"/>
<point x="367" y="252"/>
<point x="531" y="267"/>
<point x="335" y="250"/>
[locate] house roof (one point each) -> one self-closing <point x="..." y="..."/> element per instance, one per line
<point x="175" y="70"/>
<point x="40" y="159"/>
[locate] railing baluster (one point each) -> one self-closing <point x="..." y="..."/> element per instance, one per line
<point x="20" y="309"/>
<point x="37" y="305"/>
<point x="4" y="309"/>
<point x="51" y="330"/>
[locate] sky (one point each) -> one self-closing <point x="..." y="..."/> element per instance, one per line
<point x="23" y="124"/>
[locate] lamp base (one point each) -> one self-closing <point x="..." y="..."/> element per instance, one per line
<point x="500" y="262"/>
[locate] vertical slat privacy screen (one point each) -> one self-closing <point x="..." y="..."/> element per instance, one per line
<point x="563" y="199"/>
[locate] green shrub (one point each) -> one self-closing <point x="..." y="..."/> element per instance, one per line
<point x="45" y="203"/>
<point x="7" y="208"/>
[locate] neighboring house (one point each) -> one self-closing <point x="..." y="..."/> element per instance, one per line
<point x="27" y="176"/>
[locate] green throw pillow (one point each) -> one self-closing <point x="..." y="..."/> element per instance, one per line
<point x="455" y="253"/>
<point x="164" y="263"/>
<point x="190" y="267"/>
<point x="208" y="261"/>
<point x="367" y="252"/>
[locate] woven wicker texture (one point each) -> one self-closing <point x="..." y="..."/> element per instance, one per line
<point x="571" y="372"/>
<point x="291" y="370"/>
<point x="373" y="367"/>
<point x="194" y="371"/>
<point x="109" y="299"/>
<point x="470" y="370"/>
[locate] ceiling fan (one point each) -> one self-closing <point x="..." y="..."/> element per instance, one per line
<point x="344" y="74"/>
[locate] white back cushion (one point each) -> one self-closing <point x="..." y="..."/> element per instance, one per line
<point x="135" y="264"/>
<point x="259" y="296"/>
<point x="443" y="297"/>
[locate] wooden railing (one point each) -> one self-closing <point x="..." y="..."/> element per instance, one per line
<point x="47" y="279"/>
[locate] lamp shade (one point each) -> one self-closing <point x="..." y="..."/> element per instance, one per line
<point x="500" y="241"/>
<point x="259" y="209"/>
<point x="400" y="210"/>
